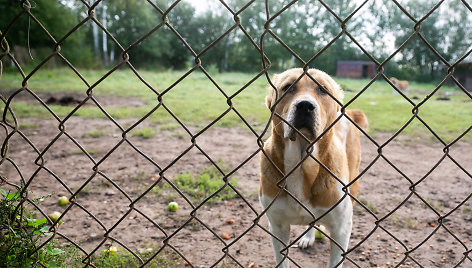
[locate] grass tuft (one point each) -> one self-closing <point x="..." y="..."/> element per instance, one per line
<point x="143" y="133"/>
<point x="368" y="204"/>
<point x="405" y="221"/>
<point x="27" y="125"/>
<point x="95" y="133"/>
<point x="199" y="186"/>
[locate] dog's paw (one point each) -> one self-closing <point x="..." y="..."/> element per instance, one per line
<point x="307" y="240"/>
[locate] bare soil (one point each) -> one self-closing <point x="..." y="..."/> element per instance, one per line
<point x="117" y="211"/>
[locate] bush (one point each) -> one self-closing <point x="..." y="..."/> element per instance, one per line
<point x="20" y="231"/>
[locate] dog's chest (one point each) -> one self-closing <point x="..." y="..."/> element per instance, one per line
<point x="293" y="154"/>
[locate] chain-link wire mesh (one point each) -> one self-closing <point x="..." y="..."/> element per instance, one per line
<point x="11" y="129"/>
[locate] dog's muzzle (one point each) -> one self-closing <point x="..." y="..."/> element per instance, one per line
<point x="304" y="118"/>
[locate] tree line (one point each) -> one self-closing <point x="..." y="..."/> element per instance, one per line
<point x="306" y="27"/>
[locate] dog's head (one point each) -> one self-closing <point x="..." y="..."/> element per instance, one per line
<point x="394" y="80"/>
<point x="306" y="106"/>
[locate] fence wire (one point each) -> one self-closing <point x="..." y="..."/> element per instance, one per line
<point x="10" y="126"/>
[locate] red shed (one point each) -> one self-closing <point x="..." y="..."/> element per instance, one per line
<point x="355" y="69"/>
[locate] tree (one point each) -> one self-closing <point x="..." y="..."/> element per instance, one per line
<point x="57" y="18"/>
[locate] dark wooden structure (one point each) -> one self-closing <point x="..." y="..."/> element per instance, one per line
<point x="463" y="72"/>
<point x="355" y="69"/>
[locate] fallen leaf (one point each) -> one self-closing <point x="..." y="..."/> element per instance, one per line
<point x="225" y="236"/>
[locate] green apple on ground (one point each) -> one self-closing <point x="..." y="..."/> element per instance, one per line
<point x="318" y="234"/>
<point x="63" y="201"/>
<point x="173" y="206"/>
<point x="111" y="249"/>
<point x="54" y="216"/>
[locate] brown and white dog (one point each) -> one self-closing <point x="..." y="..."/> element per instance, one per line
<point x="402" y="85"/>
<point x="309" y="109"/>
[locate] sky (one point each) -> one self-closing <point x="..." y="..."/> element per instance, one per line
<point x="200" y="5"/>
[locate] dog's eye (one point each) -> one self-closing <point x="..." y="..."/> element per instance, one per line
<point x="321" y="90"/>
<point x="288" y="87"/>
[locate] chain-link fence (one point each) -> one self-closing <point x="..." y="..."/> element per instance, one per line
<point x="405" y="254"/>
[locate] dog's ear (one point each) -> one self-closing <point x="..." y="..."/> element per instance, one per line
<point x="338" y="94"/>
<point x="269" y="99"/>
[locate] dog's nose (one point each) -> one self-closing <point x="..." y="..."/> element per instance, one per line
<point x="305" y="106"/>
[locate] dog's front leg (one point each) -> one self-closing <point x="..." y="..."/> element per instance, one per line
<point x="341" y="232"/>
<point x="281" y="231"/>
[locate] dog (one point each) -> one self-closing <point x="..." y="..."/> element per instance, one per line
<point x="309" y="109"/>
<point x="402" y="85"/>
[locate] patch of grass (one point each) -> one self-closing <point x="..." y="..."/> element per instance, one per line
<point x="94" y="151"/>
<point x="169" y="127"/>
<point x="143" y="133"/>
<point x="85" y="191"/>
<point x="123" y="258"/>
<point x="197" y="102"/>
<point x="467" y="210"/>
<point x="140" y="176"/>
<point x="27" y="125"/>
<point x="368" y="204"/>
<point x="95" y="133"/>
<point x="435" y="204"/>
<point x="25" y="110"/>
<point x="198" y="186"/>
<point x="78" y="151"/>
<point x="405" y="221"/>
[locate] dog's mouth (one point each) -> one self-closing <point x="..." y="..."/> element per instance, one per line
<point x="305" y="125"/>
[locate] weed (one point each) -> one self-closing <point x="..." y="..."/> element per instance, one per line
<point x="368" y="204"/>
<point x="20" y="231"/>
<point x="144" y="133"/>
<point x="67" y="256"/>
<point x="85" y="191"/>
<point x="194" y="226"/>
<point x="95" y="133"/>
<point x="434" y="204"/>
<point x="467" y="210"/>
<point x="405" y="221"/>
<point x="140" y="176"/>
<point x="199" y="186"/>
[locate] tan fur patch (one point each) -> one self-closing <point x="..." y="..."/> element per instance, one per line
<point x="400" y="84"/>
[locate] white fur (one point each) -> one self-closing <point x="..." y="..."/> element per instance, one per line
<point x="286" y="211"/>
<point x="344" y="129"/>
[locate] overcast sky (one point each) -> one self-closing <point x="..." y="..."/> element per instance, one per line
<point x="200" y="5"/>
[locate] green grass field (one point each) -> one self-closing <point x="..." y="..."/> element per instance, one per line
<point x="196" y="101"/>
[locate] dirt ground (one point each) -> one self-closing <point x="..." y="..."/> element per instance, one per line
<point x="382" y="189"/>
